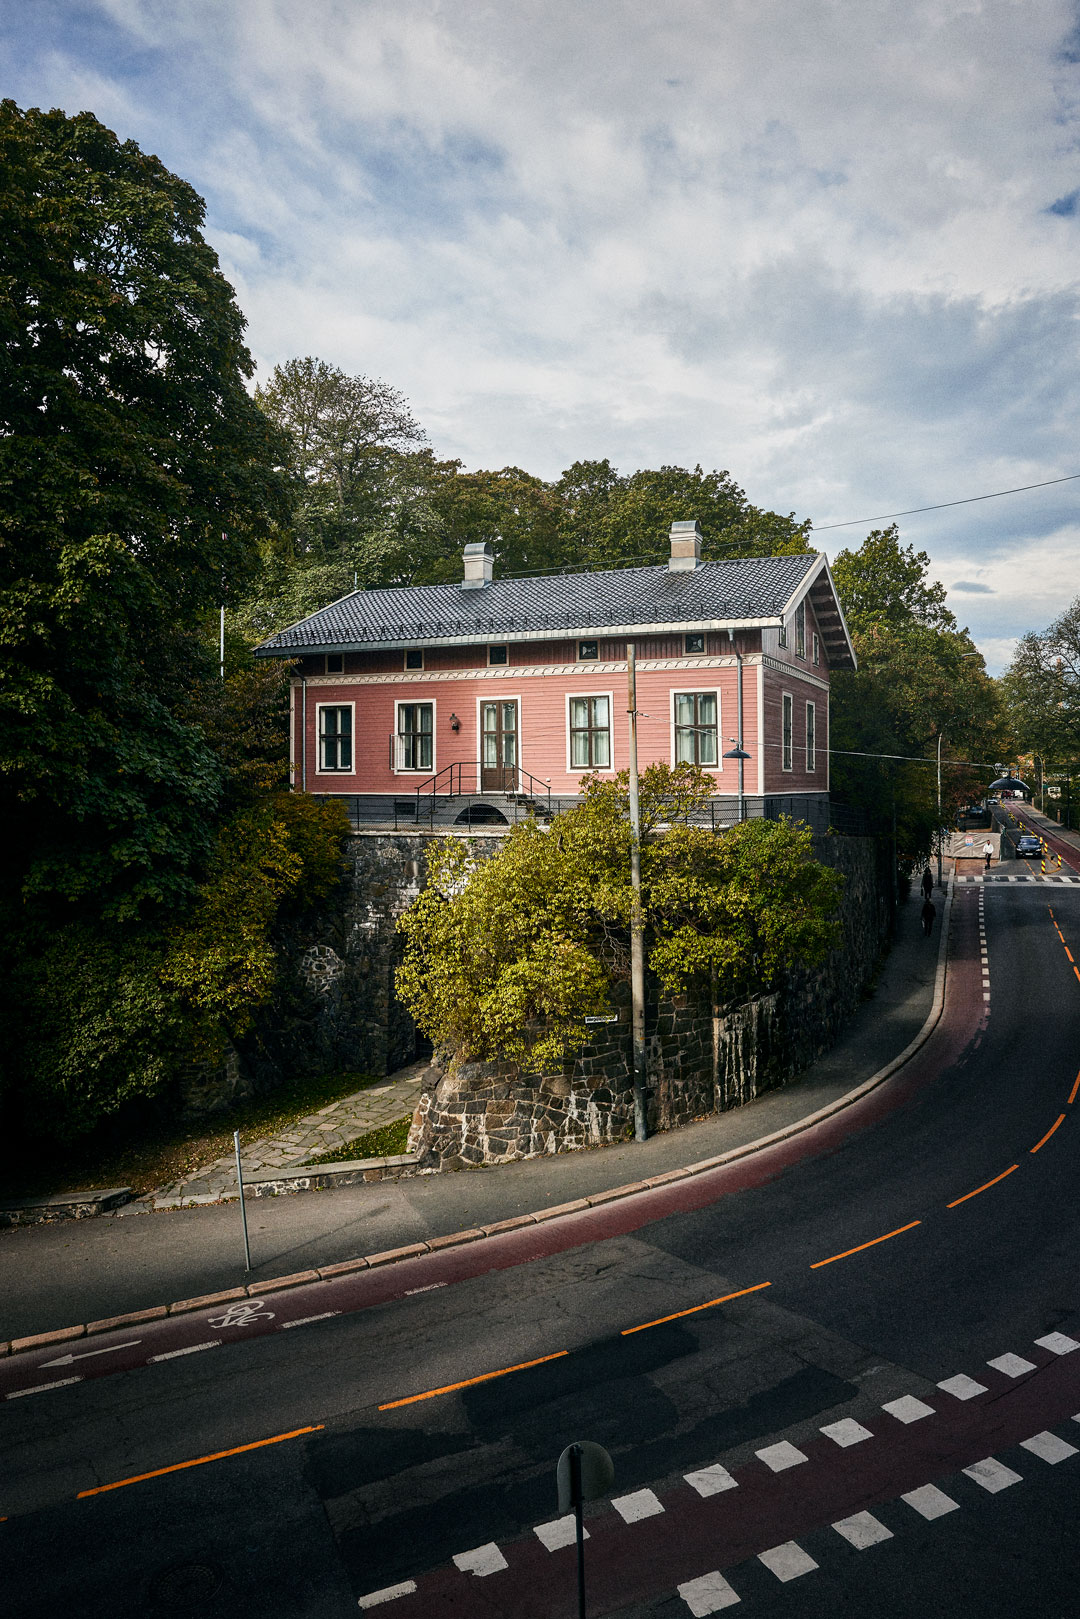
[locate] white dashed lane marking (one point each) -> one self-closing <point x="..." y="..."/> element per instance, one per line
<point x="992" y="1475"/>
<point x="711" y="1480"/>
<point x="930" y="1502"/>
<point x="788" y="1561"/>
<point x="1048" y="1447"/>
<point x="306" y="1320"/>
<point x="862" y="1529"/>
<point x="962" y="1387"/>
<point x="641" y="1504"/>
<point x="559" y="1532"/>
<point x="1058" y="1343"/>
<point x="58" y="1383"/>
<point x="846" y="1432"/>
<point x="1011" y="1365"/>
<point x="387" y="1594"/>
<point x="908" y="1409"/>
<point x="192" y="1349"/>
<point x="481" y="1561"/>
<point x="781" y="1456"/>
<point x="707" y="1594"/>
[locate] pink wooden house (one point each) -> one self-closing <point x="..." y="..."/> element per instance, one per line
<point x="463" y="703"/>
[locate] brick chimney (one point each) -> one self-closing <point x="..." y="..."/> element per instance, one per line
<point x="685" y="546"/>
<point x="478" y="564"/>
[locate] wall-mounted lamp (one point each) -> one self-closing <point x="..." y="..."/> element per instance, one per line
<point x="455" y="723"/>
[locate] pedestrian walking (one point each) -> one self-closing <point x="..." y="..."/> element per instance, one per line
<point x="988" y="854"/>
<point x="927" y="883"/>
<point x="928" y="913"/>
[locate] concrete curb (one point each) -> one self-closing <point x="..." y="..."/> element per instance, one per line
<point x="456" y="1239"/>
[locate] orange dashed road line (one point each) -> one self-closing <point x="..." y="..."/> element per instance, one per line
<point x="694" y="1308"/>
<point x="469" y="1382"/>
<point x="198" y="1461"/>
<point x="1076" y="1087"/>
<point x="871" y="1244"/>
<point x="1049" y="1133"/>
<point x="983" y="1188"/>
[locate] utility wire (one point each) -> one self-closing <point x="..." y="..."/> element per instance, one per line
<point x="854" y="522"/>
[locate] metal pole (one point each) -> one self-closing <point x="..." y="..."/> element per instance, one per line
<point x="939" y="809"/>
<point x="221" y="641"/>
<point x="243" y="1210"/>
<point x="742" y="762"/>
<point x="637" y="940"/>
<point x="575" y="1491"/>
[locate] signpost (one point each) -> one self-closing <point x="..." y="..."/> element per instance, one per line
<point x="240" y="1188"/>
<point x="585" y="1472"/>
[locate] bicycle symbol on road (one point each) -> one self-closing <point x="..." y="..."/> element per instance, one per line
<point x="241" y="1314"/>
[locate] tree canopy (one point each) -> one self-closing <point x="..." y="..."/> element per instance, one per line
<point x="1041" y="694"/>
<point x="507" y="956"/>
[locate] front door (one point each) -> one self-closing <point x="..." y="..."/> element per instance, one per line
<point x="498" y="747"/>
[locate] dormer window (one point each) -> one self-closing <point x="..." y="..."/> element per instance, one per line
<point x="587" y="650"/>
<point x="496" y="654"/>
<point x="694" y="643"/>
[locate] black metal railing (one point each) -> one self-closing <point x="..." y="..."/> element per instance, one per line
<point x="521" y="788"/>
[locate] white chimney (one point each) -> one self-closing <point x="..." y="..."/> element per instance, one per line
<point x="685" y="546"/>
<point x="478" y="563"/>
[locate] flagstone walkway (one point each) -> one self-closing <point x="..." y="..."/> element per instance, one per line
<point x="310" y="1137"/>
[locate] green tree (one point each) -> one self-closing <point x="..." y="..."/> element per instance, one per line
<point x="507" y="956"/>
<point x="1041" y="695"/>
<point x="920" y="676"/>
<point x="137" y="475"/>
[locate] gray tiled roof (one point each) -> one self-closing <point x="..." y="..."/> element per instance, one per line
<point x="747" y="589"/>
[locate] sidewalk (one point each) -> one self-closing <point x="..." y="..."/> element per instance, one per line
<point x="52" y="1276"/>
<point x="333" y="1126"/>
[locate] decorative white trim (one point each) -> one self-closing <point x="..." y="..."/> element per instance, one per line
<point x="591" y="770"/>
<point x="538" y="671"/>
<point x="702" y="691"/>
<point x="792" y="671"/>
<point x="411" y="775"/>
<point x="319" y="770"/>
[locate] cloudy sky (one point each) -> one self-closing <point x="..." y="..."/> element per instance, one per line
<point x="829" y="247"/>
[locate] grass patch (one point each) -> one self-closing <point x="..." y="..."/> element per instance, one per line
<point x="148" y="1152"/>
<point x="386" y="1142"/>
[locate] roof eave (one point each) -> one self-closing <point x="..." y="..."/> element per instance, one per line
<point x="513" y="637"/>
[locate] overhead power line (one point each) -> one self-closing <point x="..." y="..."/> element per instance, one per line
<point x="969" y="500"/>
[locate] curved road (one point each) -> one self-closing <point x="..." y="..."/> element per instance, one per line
<point x="843" y="1375"/>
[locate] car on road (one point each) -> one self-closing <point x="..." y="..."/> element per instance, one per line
<point x="1027" y="844"/>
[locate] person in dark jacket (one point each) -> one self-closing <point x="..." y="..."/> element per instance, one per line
<point x="928" y="913"/>
<point x="927" y="883"/>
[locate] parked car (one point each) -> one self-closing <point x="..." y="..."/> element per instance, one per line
<point x="1028" y="844"/>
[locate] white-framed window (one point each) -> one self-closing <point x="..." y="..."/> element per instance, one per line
<point x="497" y="654"/>
<point x="817" y="648"/>
<point x="781" y="639"/>
<point x="786" y="710"/>
<point x="334" y="663"/>
<point x="335" y="725"/>
<point x="587" y="650"/>
<point x="414" y="737"/>
<point x="811" y="736"/>
<point x="414" y="657"/>
<point x="800" y="630"/>
<point x="589" y="732"/>
<point x="696" y="722"/>
<point x="694" y="643"/>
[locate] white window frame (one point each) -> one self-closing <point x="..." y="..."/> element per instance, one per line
<point x="497" y="696"/>
<point x="800" y="630"/>
<point x="817" y="649"/>
<point x="412" y="668"/>
<point x="590" y="657"/>
<point x="704" y="650"/>
<point x="337" y="770"/>
<point x="781" y="634"/>
<point x="498" y="646"/>
<point x="326" y="663"/>
<point x="811" y="738"/>
<point x="787" y="730"/>
<point x="698" y="691"/>
<point x="422" y="770"/>
<point x="590" y="770"/>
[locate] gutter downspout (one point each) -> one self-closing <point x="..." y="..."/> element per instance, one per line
<point x="303" y="734"/>
<point x="739" y="727"/>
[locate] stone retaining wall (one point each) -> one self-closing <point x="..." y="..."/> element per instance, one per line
<point x="700" y="1059"/>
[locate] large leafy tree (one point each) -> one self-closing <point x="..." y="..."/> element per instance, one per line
<point x="920" y="677"/>
<point x="137" y="475"/>
<point x="507" y="956"/>
<point x="1041" y="693"/>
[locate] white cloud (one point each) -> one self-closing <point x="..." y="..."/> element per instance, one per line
<point x="805" y="243"/>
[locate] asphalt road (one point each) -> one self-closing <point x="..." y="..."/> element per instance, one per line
<point x="927" y="1237"/>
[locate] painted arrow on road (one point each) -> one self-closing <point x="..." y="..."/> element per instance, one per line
<point x="110" y="1349"/>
